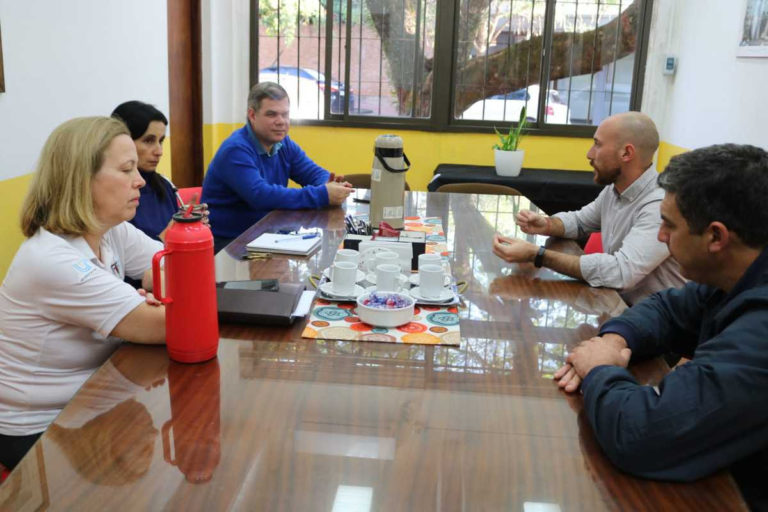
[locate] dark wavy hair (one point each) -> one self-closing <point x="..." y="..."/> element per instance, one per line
<point x="727" y="183"/>
<point x="137" y="115"/>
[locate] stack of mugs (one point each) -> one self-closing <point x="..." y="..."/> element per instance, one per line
<point x="385" y="273"/>
<point x="432" y="279"/>
<point x="344" y="272"/>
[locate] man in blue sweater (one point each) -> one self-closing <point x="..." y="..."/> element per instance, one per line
<point x="710" y="413"/>
<point x="249" y="175"/>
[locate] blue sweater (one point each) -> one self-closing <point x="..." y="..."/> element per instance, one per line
<point x="244" y="183"/>
<point x="710" y="413"/>
<point x="154" y="213"/>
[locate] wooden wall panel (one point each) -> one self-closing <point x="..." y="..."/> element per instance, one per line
<point x="185" y="84"/>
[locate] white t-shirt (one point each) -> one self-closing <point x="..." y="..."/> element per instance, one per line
<point x="58" y="304"/>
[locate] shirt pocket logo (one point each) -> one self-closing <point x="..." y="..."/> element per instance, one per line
<point x="83" y="267"/>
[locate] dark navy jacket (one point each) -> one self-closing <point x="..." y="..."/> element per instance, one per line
<point x="244" y="183"/>
<point x="710" y="413"/>
<point x="154" y="213"/>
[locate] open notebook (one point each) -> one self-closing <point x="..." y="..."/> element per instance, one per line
<point x="284" y="244"/>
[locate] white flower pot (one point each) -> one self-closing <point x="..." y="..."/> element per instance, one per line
<point x="508" y="163"/>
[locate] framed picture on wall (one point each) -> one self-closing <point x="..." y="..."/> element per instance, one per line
<point x="754" y="40"/>
<point x="2" y="75"/>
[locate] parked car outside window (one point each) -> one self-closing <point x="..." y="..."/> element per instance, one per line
<point x="507" y="107"/>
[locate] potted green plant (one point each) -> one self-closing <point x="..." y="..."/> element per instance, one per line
<point x="506" y="156"/>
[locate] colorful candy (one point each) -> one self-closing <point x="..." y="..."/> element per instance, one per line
<point x="380" y="300"/>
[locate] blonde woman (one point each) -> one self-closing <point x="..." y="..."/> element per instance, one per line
<point x="64" y="307"/>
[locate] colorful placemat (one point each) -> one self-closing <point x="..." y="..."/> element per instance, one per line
<point x="431" y="325"/>
<point x="433" y="227"/>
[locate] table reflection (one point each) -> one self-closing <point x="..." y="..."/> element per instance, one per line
<point x="191" y="438"/>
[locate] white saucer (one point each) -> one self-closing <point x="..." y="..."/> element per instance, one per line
<point x="445" y="296"/>
<point x="414" y="279"/>
<point x="372" y="289"/>
<point x="359" y="277"/>
<point x="371" y="278"/>
<point x="328" y="293"/>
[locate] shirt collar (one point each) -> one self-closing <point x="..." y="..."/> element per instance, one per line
<point x="753" y="274"/>
<point x="637" y="187"/>
<point x="259" y="148"/>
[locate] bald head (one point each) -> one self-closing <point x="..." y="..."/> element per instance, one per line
<point x="637" y="129"/>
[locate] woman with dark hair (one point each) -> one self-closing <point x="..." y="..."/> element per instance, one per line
<point x="158" y="200"/>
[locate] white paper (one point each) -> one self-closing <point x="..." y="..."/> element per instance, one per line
<point x="304" y="304"/>
<point x="286" y="244"/>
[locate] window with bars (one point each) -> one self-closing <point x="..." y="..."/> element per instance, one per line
<point x="569" y="62"/>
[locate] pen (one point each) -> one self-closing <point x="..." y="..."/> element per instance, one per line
<point x="302" y="237"/>
<point x="249" y="255"/>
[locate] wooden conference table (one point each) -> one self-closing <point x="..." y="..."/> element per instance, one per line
<point x="278" y="422"/>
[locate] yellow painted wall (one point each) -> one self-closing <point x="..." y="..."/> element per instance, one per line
<point x="350" y="150"/>
<point x="667" y="151"/>
<point x="13" y="192"/>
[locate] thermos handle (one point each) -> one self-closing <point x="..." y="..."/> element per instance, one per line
<point x="157" y="287"/>
<point x="167" y="442"/>
<point x="380" y="156"/>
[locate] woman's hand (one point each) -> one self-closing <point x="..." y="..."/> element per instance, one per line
<point x="150" y="299"/>
<point x="202" y="208"/>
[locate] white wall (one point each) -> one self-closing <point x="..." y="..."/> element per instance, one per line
<point x="714" y="97"/>
<point x="65" y="59"/>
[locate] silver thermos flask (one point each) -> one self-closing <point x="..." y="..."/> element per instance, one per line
<point x="388" y="181"/>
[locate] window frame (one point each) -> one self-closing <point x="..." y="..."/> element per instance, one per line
<point x="444" y="68"/>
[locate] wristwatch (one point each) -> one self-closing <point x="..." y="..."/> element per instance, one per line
<point x="539" y="259"/>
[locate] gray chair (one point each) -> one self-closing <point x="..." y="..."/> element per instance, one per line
<point x="363" y="180"/>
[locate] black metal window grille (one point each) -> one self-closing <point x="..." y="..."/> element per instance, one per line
<point x="454" y="64"/>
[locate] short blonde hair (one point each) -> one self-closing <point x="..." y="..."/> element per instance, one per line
<point x="59" y="198"/>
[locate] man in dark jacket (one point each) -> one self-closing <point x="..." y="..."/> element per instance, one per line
<point x="712" y="412"/>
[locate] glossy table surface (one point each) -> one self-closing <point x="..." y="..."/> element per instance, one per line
<point x="277" y="422"/>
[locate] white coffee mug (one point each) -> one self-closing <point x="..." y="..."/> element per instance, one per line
<point x="431" y="281"/>
<point x="388" y="277"/>
<point x="343" y="274"/>
<point x="431" y="258"/>
<point x="348" y="255"/>
<point x="386" y="257"/>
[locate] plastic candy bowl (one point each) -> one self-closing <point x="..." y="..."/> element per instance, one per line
<point x="385" y="309"/>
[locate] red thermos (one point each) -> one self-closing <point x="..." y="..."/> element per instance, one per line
<point x="191" y="321"/>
